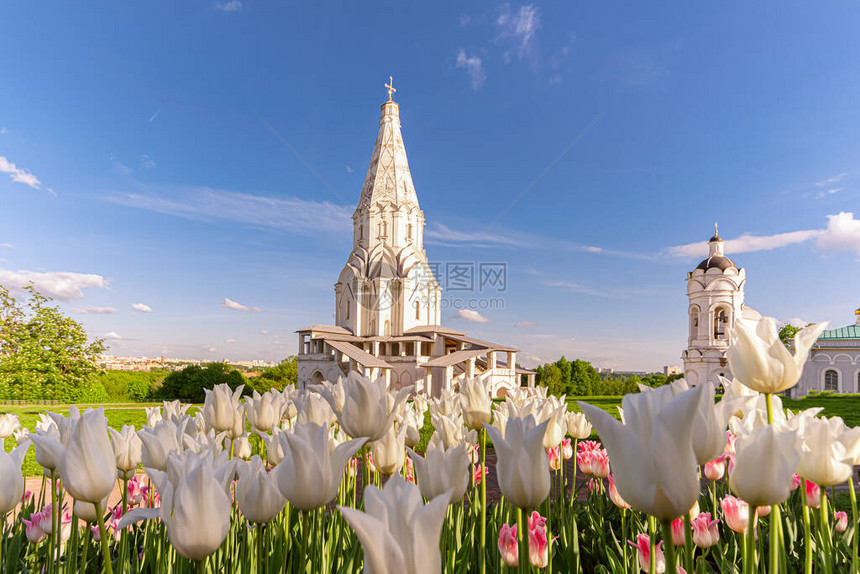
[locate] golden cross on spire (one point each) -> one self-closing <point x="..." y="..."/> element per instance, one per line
<point x="716" y="230"/>
<point x="390" y="86"/>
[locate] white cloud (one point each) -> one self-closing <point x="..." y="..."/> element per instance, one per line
<point x="146" y="162"/>
<point x="474" y="67"/>
<point x="470" y="316"/>
<point x="464" y="20"/>
<point x="19" y="175"/>
<point x="841" y="234"/>
<point x="119" y="166"/>
<point x="746" y="243"/>
<point x="593" y="249"/>
<point x="231" y="6"/>
<point x="113" y="336"/>
<point x="9" y="245"/>
<point x="797" y="322"/>
<point x="230" y="304"/>
<point x="3" y="131"/>
<point x="93" y="310"/>
<point x="264" y="332"/>
<point x="230" y="340"/>
<point x="141" y="307"/>
<point x="573" y="287"/>
<point x="153" y="116"/>
<point x="444" y="235"/>
<point x="831" y="180"/>
<point x="288" y="213"/>
<point x="58" y="284"/>
<point x="525" y="325"/>
<point x="349" y="169"/>
<point x="210" y="349"/>
<point x="277" y="343"/>
<point x="520" y="26"/>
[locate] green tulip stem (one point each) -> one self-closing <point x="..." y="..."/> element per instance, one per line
<point x="87" y="535"/>
<point x="775" y="538"/>
<point x="668" y="544"/>
<point x="482" y="555"/>
<point x="825" y="534"/>
<point x="107" y="566"/>
<point x="807" y="534"/>
<point x="260" y="532"/>
<point x="303" y="557"/>
<point x="749" y="559"/>
<point x="689" y="549"/>
<point x="201" y="566"/>
<point x="853" y="496"/>
<point x="54" y="527"/>
<point x="522" y="533"/>
<point x="652" y="562"/>
<point x="575" y="464"/>
<point x="714" y="498"/>
<point x="624" y="538"/>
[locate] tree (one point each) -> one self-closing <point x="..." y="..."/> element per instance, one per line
<point x="44" y="354"/>
<point x="189" y="384"/>
<point x="278" y="377"/>
<point x="787" y="333"/>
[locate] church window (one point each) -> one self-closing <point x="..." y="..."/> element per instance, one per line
<point x="409" y="231"/>
<point x="720" y="320"/>
<point x="360" y="232"/>
<point x="694" y="322"/>
<point x="831" y="380"/>
<point x="858" y="381"/>
<point x="347" y="310"/>
<point x="417" y="309"/>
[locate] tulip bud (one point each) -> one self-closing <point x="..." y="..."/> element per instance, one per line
<point x="442" y="471"/>
<point x="538" y="543"/>
<point x="715" y="469"/>
<point x="813" y="494"/>
<point x="554" y="456"/>
<point x="643" y="548"/>
<point x="736" y="513"/>
<point x="566" y="449"/>
<point x="577" y="425"/>
<point x="522" y="466"/>
<point x="705" y="531"/>
<point x="600" y="463"/>
<point x="476" y="403"/>
<point x="508" y="546"/>
<point x="841" y="521"/>
<point x="127" y="448"/>
<point x="257" y="492"/>
<point x="678" y="532"/>
<point x="583" y="460"/>
<point x="614" y="496"/>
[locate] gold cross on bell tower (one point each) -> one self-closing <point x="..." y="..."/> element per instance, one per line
<point x="390" y="86"/>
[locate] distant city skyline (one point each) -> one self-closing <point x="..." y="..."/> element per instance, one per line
<point x="193" y="197"/>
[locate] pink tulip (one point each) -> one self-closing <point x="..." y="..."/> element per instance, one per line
<point x="715" y="469"/>
<point x="474" y="454"/>
<point x="566" y="449"/>
<point x="97" y="535"/>
<point x="135" y="491"/>
<point x="643" y="547"/>
<point x="600" y="463"/>
<point x="730" y="463"/>
<point x="508" y="547"/>
<point x="841" y="521"/>
<point x="478" y="476"/>
<point x="614" y="496"/>
<point x="45" y="521"/>
<point x="795" y="482"/>
<point x="34" y="533"/>
<point x="554" y="456"/>
<point x="538" y="543"/>
<point x="583" y="459"/>
<point x="593" y="486"/>
<point x="813" y="494"/>
<point x="731" y="439"/>
<point x="705" y="531"/>
<point x="588" y="445"/>
<point x="28" y="495"/>
<point x="410" y="470"/>
<point x="736" y="513"/>
<point x="66" y="526"/>
<point x="762" y="511"/>
<point x="370" y="465"/>
<point x="678" y="532"/>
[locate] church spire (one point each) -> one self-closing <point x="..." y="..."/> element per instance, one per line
<point x="388" y="179"/>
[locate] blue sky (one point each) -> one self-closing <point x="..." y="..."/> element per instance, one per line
<point x="198" y="158"/>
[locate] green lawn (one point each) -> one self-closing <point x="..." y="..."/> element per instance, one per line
<point x="845" y="406"/>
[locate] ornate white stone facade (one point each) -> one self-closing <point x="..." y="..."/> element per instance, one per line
<point x="715" y="290"/>
<point x="834" y="362"/>
<point x="387" y="301"/>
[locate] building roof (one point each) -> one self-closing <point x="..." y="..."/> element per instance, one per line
<point x="431" y="329"/>
<point x="326" y="329"/>
<point x="454" y="358"/>
<point x="849" y="332"/>
<point x="480" y="343"/>
<point x="718" y="262"/>
<point x="388" y="178"/>
<point x="361" y="357"/>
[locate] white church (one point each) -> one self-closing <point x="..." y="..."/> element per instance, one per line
<point x="387" y="300"/>
<point x="715" y="290"/>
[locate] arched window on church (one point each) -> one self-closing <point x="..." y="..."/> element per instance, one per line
<point x="831" y="380"/>
<point x="360" y="233"/>
<point x="694" y="322"/>
<point x="387" y="331"/>
<point x="409" y="232"/>
<point x="720" y="320"/>
<point x="347" y="310"/>
<point x="417" y="310"/>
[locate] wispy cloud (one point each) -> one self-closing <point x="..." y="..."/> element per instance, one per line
<point x="141" y="307"/>
<point x="473" y="66"/>
<point x="231" y="6"/>
<point x="349" y="169"/>
<point x="470" y="316"/>
<point x="19" y="175"/>
<point x="146" y="162"/>
<point x="746" y="243"/>
<point x="525" y="325"/>
<point x="118" y="165"/>
<point x="93" y="310"/>
<point x="205" y="204"/>
<point x="519" y="27"/>
<point x="62" y="285"/>
<point x="236" y="306"/>
<point x="464" y="20"/>
<point x="153" y="116"/>
<point x="9" y="245"/>
<point x="574" y="287"/>
<point x="230" y="340"/>
<point x="831" y="180"/>
<point x="113" y="336"/>
<point x="442" y="234"/>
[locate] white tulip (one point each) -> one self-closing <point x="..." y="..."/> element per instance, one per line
<point x="823" y="458"/>
<point x="765" y="462"/>
<point x="175" y="409"/>
<point x="441" y="471"/>
<point x="223" y="411"/>
<point x="398" y="533"/>
<point x="652" y="453"/>
<point x="556" y="427"/>
<point x="309" y="475"/>
<point x="86" y="511"/>
<point x="760" y="360"/>
<point x="451" y="432"/>
<point x="313" y="408"/>
<point x="389" y="452"/>
<point x="11" y="479"/>
<point x="47" y="457"/>
<point x="413" y="422"/>
<point x="476" y="403"/>
<point x="153" y="416"/>
<point x="446" y="404"/>
<point x="127" y="448"/>
<point x="265" y="411"/>
<point x="366" y="412"/>
<point x="577" y="425"/>
<point x="522" y="465"/>
<point x="709" y="424"/>
<point x="274" y="451"/>
<point x="257" y="492"/>
<point x="9" y="423"/>
<point x="241" y="447"/>
<point x="164" y="437"/>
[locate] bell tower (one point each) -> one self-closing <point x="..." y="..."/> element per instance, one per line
<point x="715" y="290"/>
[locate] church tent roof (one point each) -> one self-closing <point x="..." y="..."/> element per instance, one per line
<point x="454" y="358"/>
<point x="361" y="357"/>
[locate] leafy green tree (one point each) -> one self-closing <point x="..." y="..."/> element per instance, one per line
<point x="189" y="384"/>
<point x="584" y="379"/>
<point x="787" y="333"/>
<point x="44" y="354"/>
<point x="278" y="377"/>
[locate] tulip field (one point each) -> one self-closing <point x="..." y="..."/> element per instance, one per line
<point x="347" y="476"/>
